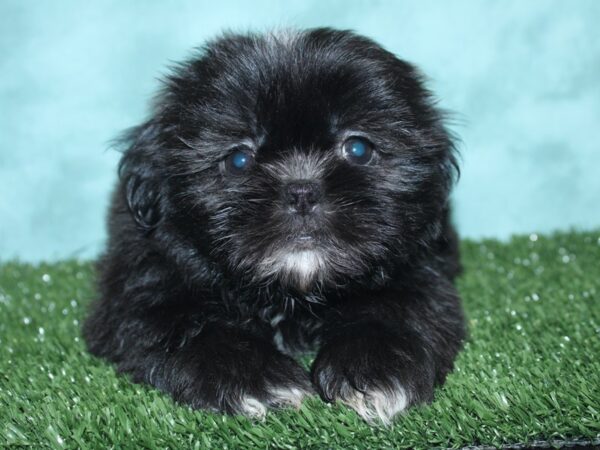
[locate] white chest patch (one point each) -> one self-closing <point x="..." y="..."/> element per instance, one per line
<point x="302" y="266"/>
<point x="303" y="263"/>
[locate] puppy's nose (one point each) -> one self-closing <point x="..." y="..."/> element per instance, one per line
<point x="302" y="196"/>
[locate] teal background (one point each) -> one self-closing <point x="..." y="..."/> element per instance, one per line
<point x="522" y="76"/>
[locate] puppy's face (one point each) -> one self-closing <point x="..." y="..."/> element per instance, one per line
<point x="310" y="158"/>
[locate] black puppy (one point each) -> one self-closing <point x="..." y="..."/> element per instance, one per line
<point x="289" y="192"/>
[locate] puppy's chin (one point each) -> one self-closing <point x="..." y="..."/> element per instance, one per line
<point x="297" y="266"/>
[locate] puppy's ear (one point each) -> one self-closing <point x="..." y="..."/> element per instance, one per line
<point x="430" y="128"/>
<point x="139" y="174"/>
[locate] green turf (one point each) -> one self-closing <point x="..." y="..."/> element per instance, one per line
<point x="530" y="370"/>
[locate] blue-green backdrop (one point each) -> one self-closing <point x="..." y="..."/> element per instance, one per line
<point x="522" y="76"/>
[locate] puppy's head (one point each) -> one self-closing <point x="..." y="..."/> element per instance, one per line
<point x="310" y="158"/>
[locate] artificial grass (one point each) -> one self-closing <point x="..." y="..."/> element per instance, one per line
<point x="530" y="370"/>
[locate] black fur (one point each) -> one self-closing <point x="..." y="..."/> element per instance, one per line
<point x="199" y="295"/>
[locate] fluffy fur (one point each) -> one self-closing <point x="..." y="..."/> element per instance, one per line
<point x="211" y="282"/>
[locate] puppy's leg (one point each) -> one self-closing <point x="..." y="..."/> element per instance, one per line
<point x="385" y="351"/>
<point x="213" y="366"/>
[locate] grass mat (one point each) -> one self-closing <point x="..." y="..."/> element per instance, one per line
<point x="529" y="372"/>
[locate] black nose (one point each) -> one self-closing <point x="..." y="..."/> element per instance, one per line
<point x="302" y="196"/>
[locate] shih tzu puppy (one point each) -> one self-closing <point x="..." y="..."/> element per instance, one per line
<point x="288" y="193"/>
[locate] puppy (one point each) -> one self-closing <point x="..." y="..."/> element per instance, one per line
<point x="288" y="193"/>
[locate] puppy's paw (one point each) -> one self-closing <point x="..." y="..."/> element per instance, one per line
<point x="374" y="372"/>
<point x="265" y="380"/>
<point x="377" y="403"/>
<point x="288" y="396"/>
<point x="280" y="383"/>
<point x="231" y="371"/>
<point x="276" y="397"/>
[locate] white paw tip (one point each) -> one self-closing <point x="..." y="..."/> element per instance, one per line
<point x="278" y="396"/>
<point x="378" y="405"/>
<point x="252" y="407"/>
<point x="288" y="396"/>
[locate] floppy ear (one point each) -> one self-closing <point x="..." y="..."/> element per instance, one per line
<point x="437" y="137"/>
<point x="138" y="172"/>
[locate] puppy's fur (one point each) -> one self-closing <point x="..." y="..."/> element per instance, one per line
<point x="212" y="281"/>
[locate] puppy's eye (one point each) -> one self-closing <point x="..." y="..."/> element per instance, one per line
<point x="357" y="150"/>
<point x="239" y="161"/>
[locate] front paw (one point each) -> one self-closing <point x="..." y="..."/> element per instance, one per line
<point x="255" y="405"/>
<point x="238" y="374"/>
<point x="375" y="372"/>
<point x="282" y="383"/>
